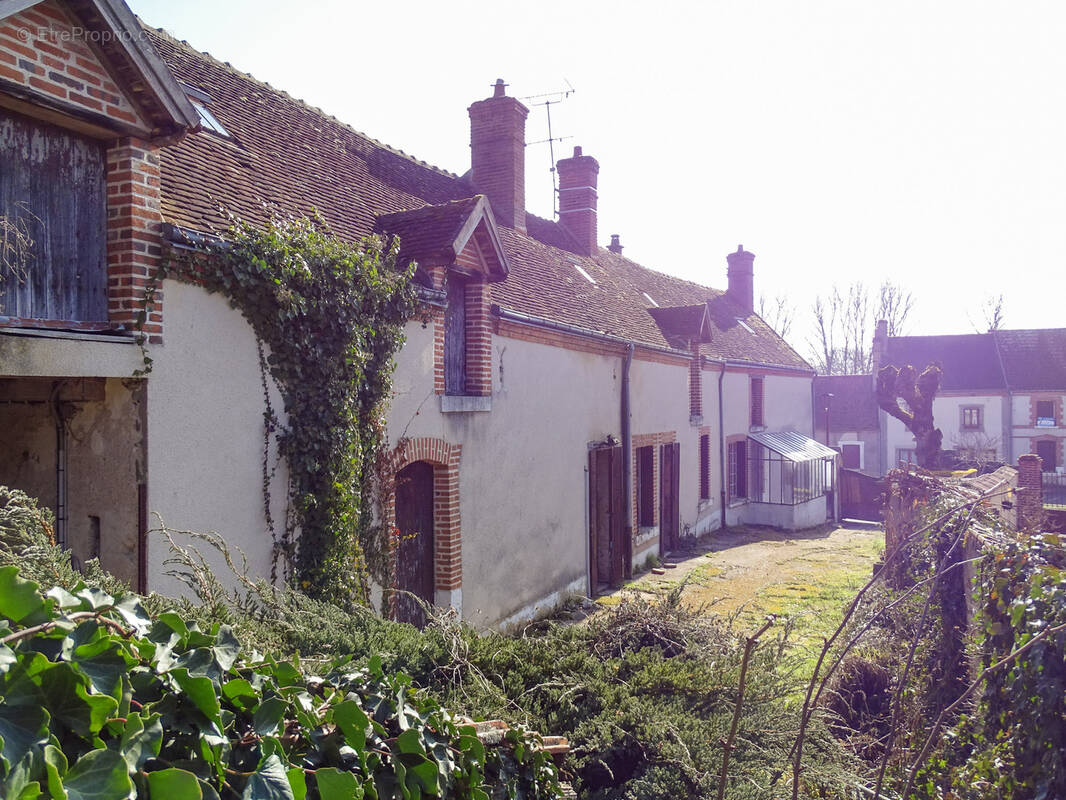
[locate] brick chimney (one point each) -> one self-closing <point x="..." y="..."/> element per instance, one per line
<point x="498" y="155"/>
<point x="577" y="199"/>
<point x="741" y="275"/>
<point x="616" y="245"/>
<point x="880" y="345"/>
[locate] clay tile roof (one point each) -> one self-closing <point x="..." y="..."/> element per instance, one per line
<point x="1034" y="359"/>
<point x="428" y="233"/>
<point x="286" y="157"/>
<point x="854" y="404"/>
<point x="970" y="361"/>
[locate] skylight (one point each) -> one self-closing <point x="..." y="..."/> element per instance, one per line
<point x="209" y="122"/>
<point x="585" y="275"/>
<point x="744" y="325"/>
<point x="649" y="299"/>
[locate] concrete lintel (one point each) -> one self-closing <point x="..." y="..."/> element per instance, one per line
<point x="457" y="404"/>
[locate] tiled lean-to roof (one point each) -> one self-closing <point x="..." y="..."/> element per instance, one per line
<point x="285" y="156"/>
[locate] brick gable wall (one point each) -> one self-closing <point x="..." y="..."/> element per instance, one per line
<point x="44" y="50"/>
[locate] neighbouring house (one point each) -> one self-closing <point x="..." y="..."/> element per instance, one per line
<point x="1001" y="396"/>
<point x="564" y="413"/>
<point x="846" y="418"/>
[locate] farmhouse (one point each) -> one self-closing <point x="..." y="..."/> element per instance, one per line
<point x="560" y="414"/>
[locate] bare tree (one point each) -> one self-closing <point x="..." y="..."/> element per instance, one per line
<point x="894" y="304"/>
<point x="976" y="448"/>
<point x="844" y="321"/>
<point x="777" y="312"/>
<point x="990" y="314"/>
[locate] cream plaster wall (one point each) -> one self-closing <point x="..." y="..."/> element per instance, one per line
<point x="205" y="433"/>
<point x="947" y="416"/>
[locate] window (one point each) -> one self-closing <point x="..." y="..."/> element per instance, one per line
<point x="972" y="418"/>
<point x="1047" y="449"/>
<point x="738" y="470"/>
<point x="905" y="455"/>
<point x="705" y="467"/>
<point x="757" y="402"/>
<point x="645" y="487"/>
<point x="455" y="338"/>
<point x="209" y="122"/>
<point x="1045" y="414"/>
<point x="851" y="454"/>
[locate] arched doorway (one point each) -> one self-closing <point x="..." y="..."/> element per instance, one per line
<point x="414" y="557"/>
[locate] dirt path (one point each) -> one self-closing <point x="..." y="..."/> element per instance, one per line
<point x="746" y="573"/>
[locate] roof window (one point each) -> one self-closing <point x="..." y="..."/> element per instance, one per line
<point x="209" y="122"/>
<point x="585" y="275"/>
<point x="649" y="299"/>
<point x="744" y="325"/>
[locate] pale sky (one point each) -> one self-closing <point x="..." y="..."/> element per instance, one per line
<point x="923" y="142"/>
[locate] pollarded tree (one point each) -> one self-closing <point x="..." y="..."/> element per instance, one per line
<point x="917" y="393"/>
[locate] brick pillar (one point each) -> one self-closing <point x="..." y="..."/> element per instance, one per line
<point x="577" y="199"/>
<point x="1030" y="492"/>
<point x="478" y="297"/>
<point x="134" y="243"/>
<point x="695" y="384"/>
<point x="498" y="155"/>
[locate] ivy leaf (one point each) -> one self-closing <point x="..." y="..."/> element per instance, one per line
<point x="104" y="664"/>
<point x="298" y="782"/>
<point x="20" y="600"/>
<point x="98" y="775"/>
<point x="174" y="784"/>
<point x="266" y="718"/>
<point x="141" y="740"/>
<point x="22" y="728"/>
<point x="227" y="648"/>
<point x="353" y="723"/>
<point x="133" y="613"/>
<point x="202" y="693"/>
<point x="63" y="598"/>
<point x="269" y="782"/>
<point x="240" y="692"/>
<point x="96" y="598"/>
<point x="69" y="702"/>
<point x="7" y="658"/>
<point x="55" y="767"/>
<point x="337" y="785"/>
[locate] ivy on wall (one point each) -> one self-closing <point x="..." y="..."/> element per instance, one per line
<point x="329" y="316"/>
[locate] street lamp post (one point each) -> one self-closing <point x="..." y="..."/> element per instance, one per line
<point x="827" y="397"/>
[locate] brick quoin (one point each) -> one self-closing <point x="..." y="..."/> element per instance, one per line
<point x="41" y="48"/>
<point x="134" y="237"/>
<point x="478" y="298"/>
<point x="447" y="531"/>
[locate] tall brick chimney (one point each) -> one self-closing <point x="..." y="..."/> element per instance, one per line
<point x="741" y="275"/>
<point x="577" y="199"/>
<point x="498" y="155"/>
<point x="880" y="345"/>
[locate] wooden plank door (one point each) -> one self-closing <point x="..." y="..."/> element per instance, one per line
<point x="414" y="557"/>
<point x="607" y="550"/>
<point x="669" y="497"/>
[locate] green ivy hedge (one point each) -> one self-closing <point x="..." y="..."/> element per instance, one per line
<point x="100" y="702"/>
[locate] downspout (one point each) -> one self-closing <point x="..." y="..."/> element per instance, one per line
<point x="627" y="456"/>
<point x="721" y="440"/>
<point x="61" y="467"/>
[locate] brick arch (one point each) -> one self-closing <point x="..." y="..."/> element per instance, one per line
<point x="447" y="533"/>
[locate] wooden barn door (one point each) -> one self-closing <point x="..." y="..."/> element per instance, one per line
<point x="414" y="558"/>
<point x="669" y="497"/>
<point x="607" y="551"/>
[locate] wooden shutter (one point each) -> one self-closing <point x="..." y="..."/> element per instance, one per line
<point x="705" y="467"/>
<point x="757" y="401"/>
<point x="455" y="338"/>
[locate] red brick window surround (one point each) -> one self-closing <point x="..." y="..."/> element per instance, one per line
<point x="447" y="531"/>
<point x="646" y="513"/>
<point x="1051" y="449"/>
<point x="463" y="339"/>
<point x="757" y="420"/>
<point x="1042" y="407"/>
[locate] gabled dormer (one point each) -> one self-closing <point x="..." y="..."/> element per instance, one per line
<point x="85" y="103"/>
<point x="458" y="252"/>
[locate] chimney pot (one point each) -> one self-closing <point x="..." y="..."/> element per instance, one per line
<point x="498" y="154"/>
<point x="741" y="276"/>
<point x="615" y="246"/>
<point x="577" y="199"/>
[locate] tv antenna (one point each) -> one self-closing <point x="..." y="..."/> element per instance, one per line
<point x="550" y="99"/>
